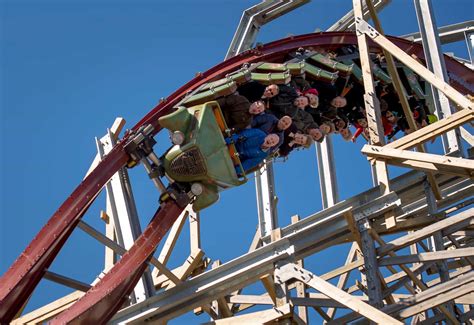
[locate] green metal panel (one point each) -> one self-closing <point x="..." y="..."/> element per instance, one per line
<point x="320" y="74"/>
<point x="239" y="77"/>
<point x="414" y="84"/>
<point x="212" y="93"/>
<point x="356" y="71"/>
<point x="276" y="67"/>
<point x="272" y="78"/>
<point x="176" y="121"/>
<point x="380" y="74"/>
<point x="332" y="64"/>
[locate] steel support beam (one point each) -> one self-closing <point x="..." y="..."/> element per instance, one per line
<point x="121" y="207"/>
<point x="327" y="172"/>
<point x="266" y="199"/>
<point x="254" y="18"/>
<point x="435" y="62"/>
<point x="469" y="35"/>
<point x="447" y="34"/>
<point x="347" y="22"/>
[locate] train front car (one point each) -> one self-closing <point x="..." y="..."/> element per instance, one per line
<point x="200" y="160"/>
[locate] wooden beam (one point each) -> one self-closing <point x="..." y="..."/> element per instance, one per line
<point x="399" y="88"/>
<point x="343" y="269"/>
<point x="50" y="310"/>
<point x="116" y="128"/>
<point x="194" y="230"/>
<point x="264" y="299"/>
<point x="222" y="307"/>
<point x="291" y="270"/>
<point x="321" y="301"/>
<point x="438" y="300"/>
<point x="423" y="72"/>
<point x="425" y="232"/>
<point x="345" y="276"/>
<point x="433" y="130"/>
<point x="422" y="161"/>
<point x="259" y="317"/>
<point x="372" y="105"/>
<point x="193" y="260"/>
<point x="426" y="257"/>
<point x="300" y="286"/>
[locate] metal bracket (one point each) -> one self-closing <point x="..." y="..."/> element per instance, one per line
<point x="362" y="27"/>
<point x="140" y="145"/>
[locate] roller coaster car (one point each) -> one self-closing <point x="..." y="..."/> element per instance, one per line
<point x="200" y="160"/>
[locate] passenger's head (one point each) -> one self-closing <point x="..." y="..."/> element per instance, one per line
<point x="339" y="101"/>
<point x="327" y="127"/>
<point x="316" y="134"/>
<point x="340" y="124"/>
<point x="391" y="117"/>
<point x="313" y="97"/>
<point x="271" y="140"/>
<point x="271" y="91"/>
<point x="301" y="102"/>
<point x="346" y="134"/>
<point x="362" y="122"/>
<point x="284" y="123"/>
<point x="302" y="139"/>
<point x="257" y="107"/>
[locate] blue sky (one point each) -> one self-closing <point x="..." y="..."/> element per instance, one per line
<point x="68" y="68"/>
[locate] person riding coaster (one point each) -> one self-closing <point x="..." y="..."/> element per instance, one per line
<point x="207" y="156"/>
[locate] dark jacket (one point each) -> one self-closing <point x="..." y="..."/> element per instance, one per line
<point x="235" y="109"/>
<point x="252" y="90"/>
<point x="282" y="104"/>
<point x="303" y="121"/>
<point x="286" y="147"/>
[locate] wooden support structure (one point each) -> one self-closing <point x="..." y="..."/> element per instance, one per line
<point x="422" y="161"/>
<point x="432" y="204"/>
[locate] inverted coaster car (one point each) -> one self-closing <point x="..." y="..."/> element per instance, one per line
<point x="200" y="159"/>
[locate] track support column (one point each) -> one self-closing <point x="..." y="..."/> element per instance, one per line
<point x="435" y="62"/>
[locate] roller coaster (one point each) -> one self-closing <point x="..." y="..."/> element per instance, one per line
<point x="199" y="164"/>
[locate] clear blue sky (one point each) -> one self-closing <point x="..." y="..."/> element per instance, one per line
<point x="68" y="68"/>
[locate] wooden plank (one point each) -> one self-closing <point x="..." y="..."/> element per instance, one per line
<point x="425" y="232"/>
<point x="264" y="299"/>
<point x="50" y="310"/>
<point x="433" y="130"/>
<point x="269" y="285"/>
<point x="300" y="286"/>
<point x="194" y="230"/>
<point x="290" y="271"/>
<point x="222" y="307"/>
<point x="259" y="317"/>
<point x="193" y="260"/>
<point x="116" y="128"/>
<point x="343" y="269"/>
<point x="426" y="257"/>
<point x="438" y="300"/>
<point x="423" y="161"/>
<point x="341" y="282"/>
<point x="467" y="136"/>
<point x="170" y="242"/>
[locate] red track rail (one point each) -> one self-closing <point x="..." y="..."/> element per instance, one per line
<point x="103" y="300"/>
<point x="20" y="280"/>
